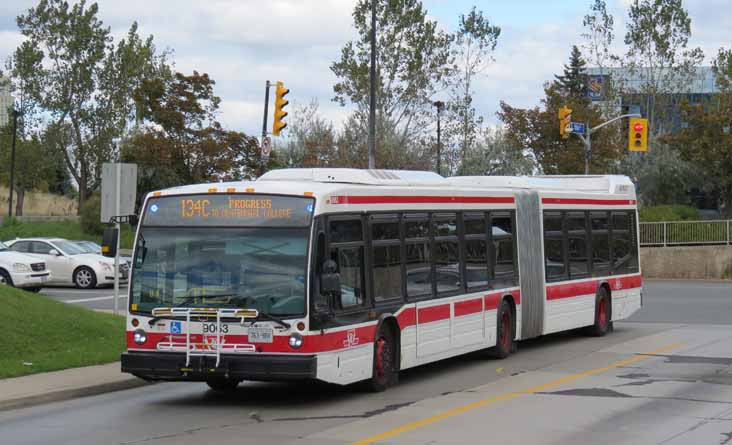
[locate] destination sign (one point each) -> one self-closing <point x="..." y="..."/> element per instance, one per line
<point x="229" y="210"/>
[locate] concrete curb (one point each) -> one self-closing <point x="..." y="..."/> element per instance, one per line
<point x="74" y="393"/>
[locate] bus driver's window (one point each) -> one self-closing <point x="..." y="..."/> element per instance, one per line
<point x="346" y="249"/>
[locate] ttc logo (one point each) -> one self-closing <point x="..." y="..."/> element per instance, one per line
<point x="351" y="339"/>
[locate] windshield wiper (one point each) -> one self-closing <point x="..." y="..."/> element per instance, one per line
<point x="271" y="317"/>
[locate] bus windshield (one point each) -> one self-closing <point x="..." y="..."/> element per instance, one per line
<point x="255" y="268"/>
<point x="228" y="251"/>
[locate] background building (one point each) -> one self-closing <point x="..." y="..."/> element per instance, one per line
<point x="6" y="101"/>
<point x="665" y="109"/>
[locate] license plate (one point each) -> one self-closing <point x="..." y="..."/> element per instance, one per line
<point x="44" y="279"/>
<point x="261" y="334"/>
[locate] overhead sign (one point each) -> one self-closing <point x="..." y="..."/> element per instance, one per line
<point x="119" y="190"/>
<point x="595" y="85"/>
<point x="229" y="210"/>
<point x="577" y="127"/>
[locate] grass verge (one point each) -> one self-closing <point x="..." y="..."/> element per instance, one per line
<point x="41" y="334"/>
<point x="11" y="229"/>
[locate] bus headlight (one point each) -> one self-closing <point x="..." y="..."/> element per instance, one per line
<point x="139" y="336"/>
<point x="295" y="340"/>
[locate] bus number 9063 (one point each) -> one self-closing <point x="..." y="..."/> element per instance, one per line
<point x="210" y="328"/>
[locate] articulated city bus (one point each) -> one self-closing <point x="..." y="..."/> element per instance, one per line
<point x="346" y="275"/>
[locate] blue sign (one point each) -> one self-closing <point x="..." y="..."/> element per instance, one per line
<point x="595" y="87"/>
<point x="577" y="127"/>
<point x="175" y="327"/>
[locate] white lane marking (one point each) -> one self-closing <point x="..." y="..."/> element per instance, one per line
<point x="84" y="300"/>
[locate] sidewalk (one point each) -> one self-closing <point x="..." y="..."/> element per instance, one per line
<point x="63" y="385"/>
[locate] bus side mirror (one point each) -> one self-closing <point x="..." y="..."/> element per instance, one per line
<point x="330" y="280"/>
<point x="109" y="242"/>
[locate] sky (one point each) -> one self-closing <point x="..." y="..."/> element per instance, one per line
<point x="243" y="43"/>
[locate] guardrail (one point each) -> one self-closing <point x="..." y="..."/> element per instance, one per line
<point x="685" y="233"/>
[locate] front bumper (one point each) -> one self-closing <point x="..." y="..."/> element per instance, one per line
<point x="30" y="279"/>
<point x="172" y="366"/>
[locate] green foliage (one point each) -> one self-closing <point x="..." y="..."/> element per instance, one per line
<point x="472" y="49"/>
<point x="69" y="69"/>
<point x="90" y="216"/>
<point x="413" y="59"/>
<point x="494" y="154"/>
<point x="13" y="228"/>
<point x="181" y="141"/>
<point x="674" y="212"/>
<point x="49" y="335"/>
<point x="536" y="130"/>
<point x="573" y="82"/>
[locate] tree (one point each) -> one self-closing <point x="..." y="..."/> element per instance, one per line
<point x="473" y="45"/>
<point x="537" y="130"/>
<point x="75" y="74"/>
<point x="495" y="154"/>
<point x="413" y="59"/>
<point x="599" y="35"/>
<point x="657" y="37"/>
<point x="31" y="164"/>
<point x="180" y="141"/>
<point x="312" y="139"/>
<point x="573" y="82"/>
<point x="706" y="139"/>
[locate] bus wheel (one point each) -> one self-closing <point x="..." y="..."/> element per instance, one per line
<point x="222" y="384"/>
<point x="504" y="332"/>
<point x="386" y="368"/>
<point x="602" y="314"/>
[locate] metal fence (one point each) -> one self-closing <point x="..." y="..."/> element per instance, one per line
<point x="685" y="233"/>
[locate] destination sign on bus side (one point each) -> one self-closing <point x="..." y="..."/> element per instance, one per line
<point x="229" y="210"/>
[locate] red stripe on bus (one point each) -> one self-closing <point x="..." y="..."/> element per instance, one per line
<point x="433" y="313"/>
<point x="407" y="318"/>
<point x="569" y="290"/>
<point x="608" y="202"/>
<point x="421" y="199"/>
<point x="468" y="307"/>
<point x="493" y="300"/>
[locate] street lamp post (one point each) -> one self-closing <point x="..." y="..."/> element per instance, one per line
<point x="372" y="92"/>
<point x="12" y="162"/>
<point x="439" y="105"/>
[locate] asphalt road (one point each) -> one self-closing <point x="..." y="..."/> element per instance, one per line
<point x="663" y="377"/>
<point x="100" y="298"/>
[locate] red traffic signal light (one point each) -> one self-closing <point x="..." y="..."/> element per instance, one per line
<point x="638" y="126"/>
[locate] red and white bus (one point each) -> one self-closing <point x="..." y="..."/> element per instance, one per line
<point x="348" y="275"/>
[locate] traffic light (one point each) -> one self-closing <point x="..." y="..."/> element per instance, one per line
<point x="279" y="114"/>
<point x="638" y="134"/>
<point x="565" y="117"/>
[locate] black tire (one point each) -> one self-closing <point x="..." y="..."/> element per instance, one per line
<point x="35" y="290"/>
<point x="603" y="315"/>
<point x="222" y="384"/>
<point x="385" y="371"/>
<point x="504" y="332"/>
<point x="85" y="278"/>
<point x="5" y="278"/>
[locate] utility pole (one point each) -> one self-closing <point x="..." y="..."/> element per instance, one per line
<point x="587" y="138"/>
<point x="440" y="105"/>
<point x="372" y="93"/>
<point x="12" y="162"/>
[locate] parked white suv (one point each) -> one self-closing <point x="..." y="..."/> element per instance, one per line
<point x="68" y="263"/>
<point x="23" y="271"/>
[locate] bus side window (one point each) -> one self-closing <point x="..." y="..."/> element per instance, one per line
<point x="503" y="249"/>
<point x="347" y="250"/>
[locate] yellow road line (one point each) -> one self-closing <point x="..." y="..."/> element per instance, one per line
<point x="510" y="395"/>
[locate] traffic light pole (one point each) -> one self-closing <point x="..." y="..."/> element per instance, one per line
<point x="266" y="110"/>
<point x="12" y="163"/>
<point x="587" y="139"/>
